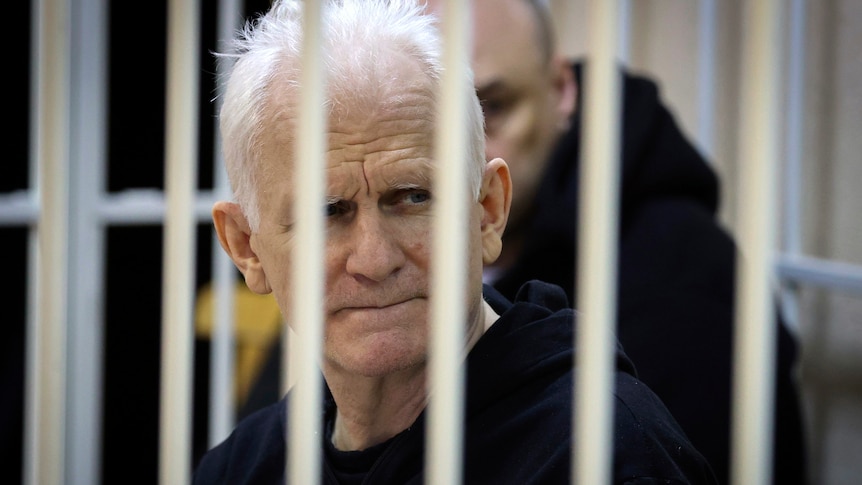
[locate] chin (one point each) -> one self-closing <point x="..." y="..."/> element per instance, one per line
<point x="379" y="359"/>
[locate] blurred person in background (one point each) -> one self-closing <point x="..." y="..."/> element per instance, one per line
<point x="675" y="308"/>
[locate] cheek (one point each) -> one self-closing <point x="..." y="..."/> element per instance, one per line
<point x="520" y="125"/>
<point x="276" y="261"/>
<point x="513" y="135"/>
<point x="475" y="250"/>
<point x="516" y="144"/>
<point x="419" y="247"/>
<point x="414" y="237"/>
<point x="510" y="139"/>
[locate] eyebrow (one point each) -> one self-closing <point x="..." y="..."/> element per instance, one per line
<point x="406" y="186"/>
<point x="416" y="180"/>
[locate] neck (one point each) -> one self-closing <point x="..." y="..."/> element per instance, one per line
<point x="371" y="410"/>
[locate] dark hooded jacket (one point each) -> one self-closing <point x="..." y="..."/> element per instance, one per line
<point x="675" y="276"/>
<point x="517" y="418"/>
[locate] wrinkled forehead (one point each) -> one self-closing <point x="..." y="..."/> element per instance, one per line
<point x="386" y="80"/>
<point x="375" y="146"/>
<point x="378" y="80"/>
<point x="391" y="107"/>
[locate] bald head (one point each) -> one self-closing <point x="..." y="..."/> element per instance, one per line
<point x="535" y="14"/>
<point x="526" y="89"/>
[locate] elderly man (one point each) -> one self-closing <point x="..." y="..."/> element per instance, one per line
<point x="383" y="68"/>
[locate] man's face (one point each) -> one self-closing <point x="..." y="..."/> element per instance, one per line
<point x="379" y="228"/>
<point x="516" y="86"/>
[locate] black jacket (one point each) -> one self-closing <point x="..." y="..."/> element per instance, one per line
<point x="518" y="416"/>
<point x="675" y="276"/>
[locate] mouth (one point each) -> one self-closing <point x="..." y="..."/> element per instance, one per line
<point x="373" y="306"/>
<point x="376" y="306"/>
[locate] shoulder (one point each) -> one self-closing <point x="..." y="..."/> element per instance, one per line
<point x="648" y="442"/>
<point x="253" y="453"/>
<point x="534" y="295"/>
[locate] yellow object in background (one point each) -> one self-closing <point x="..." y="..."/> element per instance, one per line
<point x="258" y="326"/>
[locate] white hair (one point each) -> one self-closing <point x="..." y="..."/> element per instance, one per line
<point x="266" y="56"/>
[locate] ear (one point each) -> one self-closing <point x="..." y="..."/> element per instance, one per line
<point x="234" y="235"/>
<point x="565" y="86"/>
<point x="496" y="200"/>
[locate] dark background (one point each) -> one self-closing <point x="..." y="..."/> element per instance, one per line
<point x="133" y="259"/>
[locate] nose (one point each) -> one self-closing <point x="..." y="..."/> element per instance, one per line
<point x="375" y="252"/>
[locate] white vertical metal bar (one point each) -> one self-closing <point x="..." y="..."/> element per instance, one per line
<point x="793" y="146"/>
<point x="33" y="471"/>
<point x="754" y="357"/>
<point x="289" y="373"/>
<point x="443" y="462"/>
<point x="597" y="253"/>
<point x="624" y="42"/>
<point x="181" y="158"/>
<point x="222" y="361"/>
<point x="86" y="241"/>
<point x="794" y="134"/>
<point x="706" y="77"/>
<point x="45" y="455"/>
<point x="304" y="453"/>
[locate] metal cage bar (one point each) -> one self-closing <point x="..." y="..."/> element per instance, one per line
<point x="754" y="336"/>
<point x="45" y="457"/>
<point x="304" y="453"/>
<point x="445" y="436"/>
<point x="706" y="77"/>
<point x="222" y="360"/>
<point x="88" y="157"/>
<point x="181" y="156"/>
<point x="597" y="254"/>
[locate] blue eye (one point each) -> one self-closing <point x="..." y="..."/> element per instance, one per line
<point x="418" y="197"/>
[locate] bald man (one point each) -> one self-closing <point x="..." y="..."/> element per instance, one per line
<point x="676" y="263"/>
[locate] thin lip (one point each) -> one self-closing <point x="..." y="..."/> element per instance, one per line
<point x="375" y="307"/>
